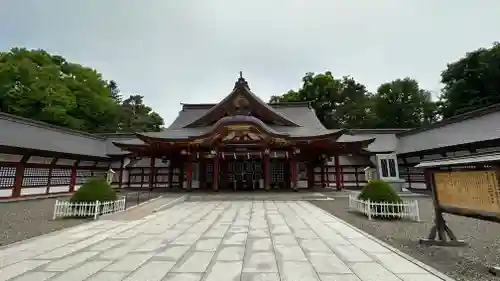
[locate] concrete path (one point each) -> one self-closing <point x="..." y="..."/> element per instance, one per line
<point x="212" y="241"/>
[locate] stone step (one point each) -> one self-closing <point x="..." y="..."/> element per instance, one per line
<point x="258" y="197"/>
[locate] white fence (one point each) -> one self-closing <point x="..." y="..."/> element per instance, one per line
<point x="405" y="209"/>
<point x="64" y="208"/>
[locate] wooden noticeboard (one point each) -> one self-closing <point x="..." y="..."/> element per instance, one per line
<point x="476" y="191"/>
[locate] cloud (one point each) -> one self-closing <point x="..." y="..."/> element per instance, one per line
<point x="191" y="51"/>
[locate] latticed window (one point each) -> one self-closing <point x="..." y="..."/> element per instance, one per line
<point x="277" y="172"/>
<point x="82" y="176"/>
<point x="34" y="177"/>
<point x="60" y="176"/>
<point x="7" y="177"/>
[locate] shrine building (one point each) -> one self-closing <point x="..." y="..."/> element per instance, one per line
<point x="240" y="143"/>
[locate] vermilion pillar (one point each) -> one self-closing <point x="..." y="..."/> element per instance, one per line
<point x="72" y="183"/>
<point x="267" y="175"/>
<point x="338" y="173"/>
<point x="216" y="172"/>
<point x="152" y="173"/>
<point x="18" y="182"/>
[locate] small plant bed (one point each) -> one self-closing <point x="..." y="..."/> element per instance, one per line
<point x="378" y="200"/>
<point x="95" y="197"/>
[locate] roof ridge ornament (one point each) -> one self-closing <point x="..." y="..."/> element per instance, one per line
<point x="241" y="83"/>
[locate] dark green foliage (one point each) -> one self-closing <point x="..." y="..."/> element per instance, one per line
<point x="93" y="190"/>
<point x="379" y="191"/>
<point x="471" y="82"/>
<point x="44" y="87"/>
<point x="346" y="103"/>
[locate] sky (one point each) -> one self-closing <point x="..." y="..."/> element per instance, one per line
<point x="191" y="51"/>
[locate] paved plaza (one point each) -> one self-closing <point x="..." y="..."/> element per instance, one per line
<point x="212" y="241"/>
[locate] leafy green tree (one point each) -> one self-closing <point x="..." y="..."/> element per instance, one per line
<point x="338" y="103"/>
<point x="403" y="104"/>
<point x="471" y="82"/>
<point x="40" y="86"/>
<point x="135" y="116"/>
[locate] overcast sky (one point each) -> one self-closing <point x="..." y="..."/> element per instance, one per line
<point x="191" y="51"/>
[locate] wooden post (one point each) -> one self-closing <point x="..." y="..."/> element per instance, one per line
<point x="18" y="182"/>
<point x="445" y="237"/>
<point x="338" y="173"/>
<point x="170" y="172"/>
<point x="152" y="173"/>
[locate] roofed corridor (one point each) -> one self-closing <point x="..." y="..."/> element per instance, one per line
<point x="212" y="241"/>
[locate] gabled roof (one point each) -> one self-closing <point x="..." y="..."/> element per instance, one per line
<point x="242" y="89"/>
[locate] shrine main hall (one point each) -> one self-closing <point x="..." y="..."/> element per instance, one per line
<point x="240" y="143"/>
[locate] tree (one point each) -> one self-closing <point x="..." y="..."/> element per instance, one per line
<point x="338" y="103"/>
<point x="402" y="104"/>
<point x="40" y="86"/>
<point x="471" y="82"/>
<point x="135" y="116"/>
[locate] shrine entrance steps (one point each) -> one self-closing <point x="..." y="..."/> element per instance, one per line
<point x="259" y="196"/>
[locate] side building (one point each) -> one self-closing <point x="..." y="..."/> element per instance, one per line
<point x="239" y="143"/>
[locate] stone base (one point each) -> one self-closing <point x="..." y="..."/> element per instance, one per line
<point x="447" y="243"/>
<point x="397" y="185"/>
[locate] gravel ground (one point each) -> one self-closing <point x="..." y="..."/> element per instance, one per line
<point x="29" y="218"/>
<point x="25" y="219"/>
<point x="465" y="263"/>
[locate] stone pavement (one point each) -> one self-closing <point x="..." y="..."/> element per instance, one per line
<point x="212" y="241"/>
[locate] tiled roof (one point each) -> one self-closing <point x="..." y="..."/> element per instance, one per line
<point x="29" y="134"/>
<point x="483" y="127"/>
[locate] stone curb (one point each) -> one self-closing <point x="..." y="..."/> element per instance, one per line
<point x="36" y="197"/>
<point x="432" y="270"/>
<point x="171" y="203"/>
<point x="131" y="208"/>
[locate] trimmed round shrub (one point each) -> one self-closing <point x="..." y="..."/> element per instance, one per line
<point x="381" y="191"/>
<point x="93" y="190"/>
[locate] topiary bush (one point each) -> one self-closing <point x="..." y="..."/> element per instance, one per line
<point x="93" y="190"/>
<point x="380" y="191"/>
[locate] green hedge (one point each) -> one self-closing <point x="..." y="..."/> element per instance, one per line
<point x="380" y="191"/>
<point x="93" y="190"/>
